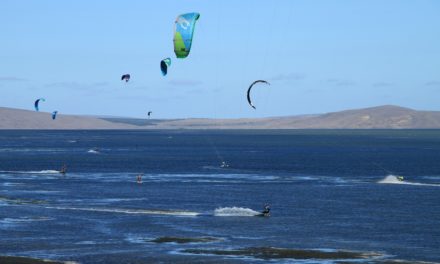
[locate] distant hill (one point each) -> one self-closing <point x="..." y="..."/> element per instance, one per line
<point x="381" y="117"/>
<point x="387" y="116"/>
<point x="11" y="118"/>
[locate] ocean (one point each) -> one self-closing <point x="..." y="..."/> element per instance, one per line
<point x="335" y="196"/>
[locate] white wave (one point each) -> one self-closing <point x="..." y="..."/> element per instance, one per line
<point x="8" y="220"/>
<point x="235" y="211"/>
<point x="31" y="150"/>
<point x="93" y="151"/>
<point x="40" y="191"/>
<point x="112" y="200"/>
<point x="437" y="177"/>
<point x="86" y="242"/>
<point x="248" y="237"/>
<point x="46" y="171"/>
<point x="136" y="239"/>
<point x="33" y="172"/>
<point x="392" y="179"/>
<point x="211" y="168"/>
<point x="127" y="211"/>
<point x="204" y="176"/>
<point x="12" y="184"/>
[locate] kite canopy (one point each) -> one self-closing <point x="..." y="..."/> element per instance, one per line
<point x="249" y="91"/>
<point x="125" y="77"/>
<point x="149" y="113"/>
<point x="37" y="102"/>
<point x="183" y="33"/>
<point x="164" y="64"/>
<point x="54" y="115"/>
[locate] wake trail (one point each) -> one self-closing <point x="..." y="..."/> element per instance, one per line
<point x="392" y="179"/>
<point x="235" y="211"/>
<point x="224" y="211"/>
<point x="126" y="211"/>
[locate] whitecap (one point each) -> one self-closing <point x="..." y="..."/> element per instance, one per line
<point x="93" y="151"/>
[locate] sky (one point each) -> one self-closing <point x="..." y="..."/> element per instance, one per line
<point x="319" y="56"/>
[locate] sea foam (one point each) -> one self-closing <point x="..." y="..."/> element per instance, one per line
<point x="392" y="179"/>
<point x="235" y="211"/>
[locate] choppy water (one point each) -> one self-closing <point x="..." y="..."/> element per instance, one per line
<point x="335" y="196"/>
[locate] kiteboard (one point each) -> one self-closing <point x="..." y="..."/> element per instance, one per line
<point x="262" y="215"/>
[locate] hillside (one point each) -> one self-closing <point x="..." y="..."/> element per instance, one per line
<point x="11" y="118"/>
<point x="381" y="117"/>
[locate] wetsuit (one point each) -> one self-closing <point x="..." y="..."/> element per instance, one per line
<point x="266" y="211"/>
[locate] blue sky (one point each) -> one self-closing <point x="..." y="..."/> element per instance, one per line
<point x="319" y="56"/>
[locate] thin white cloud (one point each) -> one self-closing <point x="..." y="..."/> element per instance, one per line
<point x="341" y="82"/>
<point x="75" y="85"/>
<point x="96" y="86"/>
<point x="100" y="84"/>
<point x="288" y="77"/>
<point x="382" y="84"/>
<point x="432" y="83"/>
<point x="184" y="82"/>
<point x="12" y="79"/>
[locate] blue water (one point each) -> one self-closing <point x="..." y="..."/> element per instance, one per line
<point x="324" y="187"/>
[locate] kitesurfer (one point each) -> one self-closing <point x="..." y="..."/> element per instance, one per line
<point x="266" y="211"/>
<point x="63" y="169"/>
<point x="139" y="179"/>
<point x="400" y="178"/>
